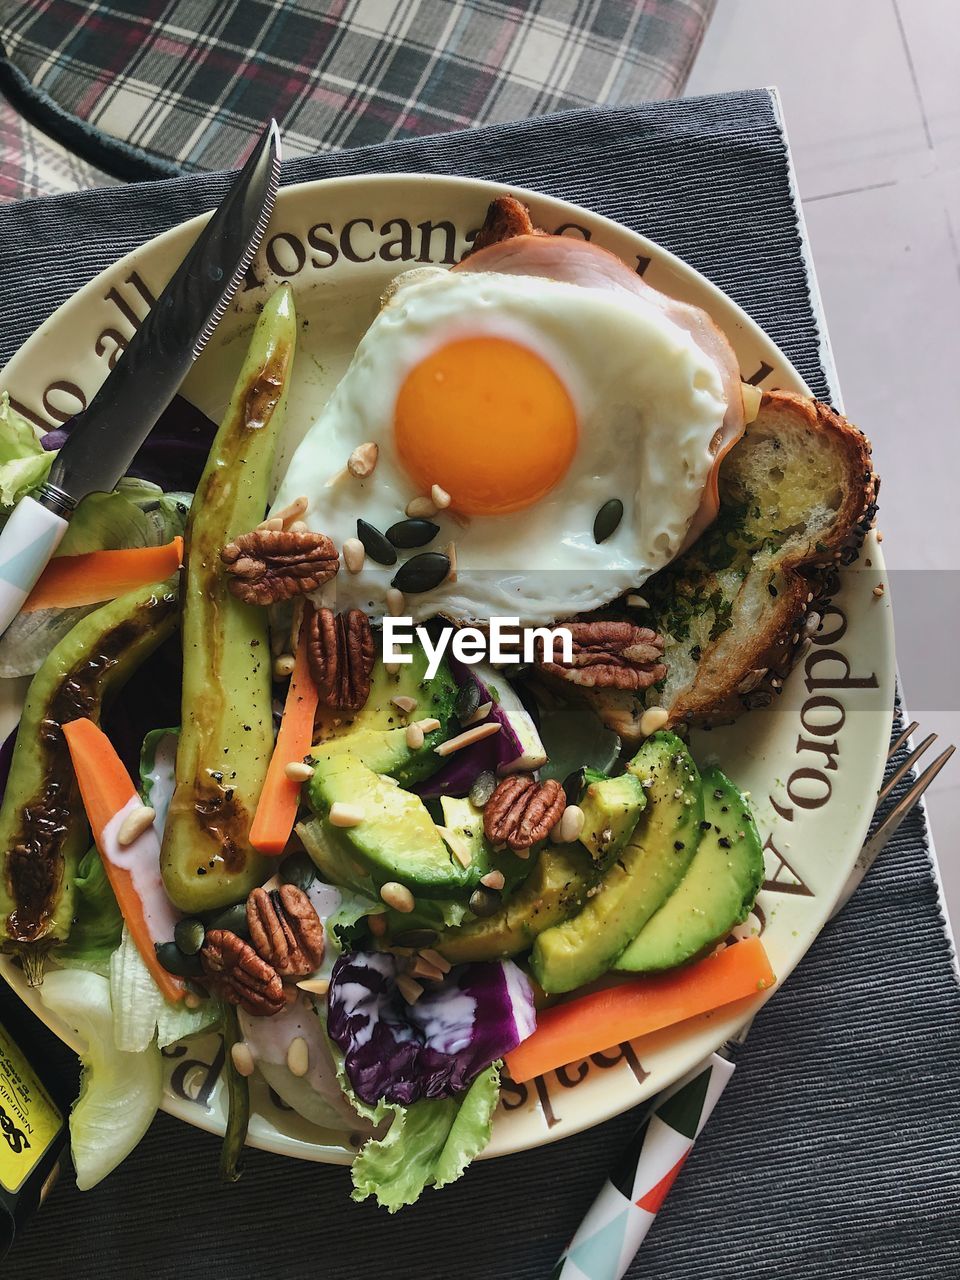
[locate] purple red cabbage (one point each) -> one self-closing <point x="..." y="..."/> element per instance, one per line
<point x="173" y="454"/>
<point x="397" y="1052"/>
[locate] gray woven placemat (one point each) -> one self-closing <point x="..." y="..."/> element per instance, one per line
<point x="834" y="1152"/>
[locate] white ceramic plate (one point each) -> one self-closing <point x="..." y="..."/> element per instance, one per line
<point x="812" y="762"/>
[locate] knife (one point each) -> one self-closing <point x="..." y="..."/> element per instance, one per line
<point x="105" y="437"/>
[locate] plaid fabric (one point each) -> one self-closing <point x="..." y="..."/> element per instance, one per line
<point x="32" y="164"/>
<point x="193" y="80"/>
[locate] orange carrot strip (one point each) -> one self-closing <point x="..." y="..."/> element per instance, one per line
<point x="106" y="787"/>
<point x="277" y="807"/>
<point x="102" y="575"/>
<point x="571" y="1031"/>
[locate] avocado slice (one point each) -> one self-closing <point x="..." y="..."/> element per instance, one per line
<point x="717" y="892"/>
<point x="649" y="868"/>
<point x="386" y="751"/>
<point x="553" y="890"/>
<point x="434" y="698"/>
<point x="611" y="807"/>
<point x="396" y="840"/>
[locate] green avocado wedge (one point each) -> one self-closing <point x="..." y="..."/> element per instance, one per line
<point x="434" y="696"/>
<point x="647" y="871"/>
<point x="717" y="892"/>
<point x="611" y="808"/>
<point x="555" y="888"/>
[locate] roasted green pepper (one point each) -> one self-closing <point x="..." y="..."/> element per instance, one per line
<point x="43" y="832"/>
<point x="226" y="736"/>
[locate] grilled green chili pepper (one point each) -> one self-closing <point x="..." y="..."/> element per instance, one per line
<point x="238" y="1101"/>
<point x="226" y="736"/>
<point x="43" y="831"/>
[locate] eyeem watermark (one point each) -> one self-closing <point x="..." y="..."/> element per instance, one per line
<point x="504" y="642"/>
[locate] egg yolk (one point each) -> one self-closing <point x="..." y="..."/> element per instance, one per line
<point x="489" y="421"/>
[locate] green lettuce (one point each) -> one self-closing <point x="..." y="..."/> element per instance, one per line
<point x="24" y="462"/>
<point x="428" y="1144"/>
<point x="97" y="923"/>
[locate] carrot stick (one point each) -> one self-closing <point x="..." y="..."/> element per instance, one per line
<point x="106" y="789"/>
<point x="571" y="1031"/>
<point x="102" y="575"/>
<point x="280" y="797"/>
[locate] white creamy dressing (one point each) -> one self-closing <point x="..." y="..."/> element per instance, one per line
<point x="142" y="860"/>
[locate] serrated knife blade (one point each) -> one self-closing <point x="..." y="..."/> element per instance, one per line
<point x="105" y="437"/>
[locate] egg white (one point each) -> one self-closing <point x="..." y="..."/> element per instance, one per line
<point x="648" y="403"/>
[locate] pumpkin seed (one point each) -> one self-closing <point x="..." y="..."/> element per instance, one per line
<point x="412" y="533"/>
<point x="467" y="700"/>
<point x="573" y="786"/>
<point x="485" y="902"/>
<point x="233" y="918"/>
<point x="175" y="962"/>
<point x="188" y="935"/>
<point x="375" y="544"/>
<point x="298" y="870"/>
<point x="421" y="573"/>
<point x="608" y="518"/>
<point x="483" y="788"/>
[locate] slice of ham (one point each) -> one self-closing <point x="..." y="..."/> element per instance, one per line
<point x="509" y="244"/>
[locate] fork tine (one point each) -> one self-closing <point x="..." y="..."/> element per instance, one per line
<point x="912" y="727"/>
<point x="888" y="828"/>
<point x="907" y="765"/>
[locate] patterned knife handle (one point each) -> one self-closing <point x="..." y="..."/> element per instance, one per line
<point x="625" y="1209"/>
<point x="28" y="540"/>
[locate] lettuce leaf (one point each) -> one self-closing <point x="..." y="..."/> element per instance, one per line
<point x="24" y="462"/>
<point x="428" y="1144"/>
<point x="140" y="1011"/>
<point x="97" y="922"/>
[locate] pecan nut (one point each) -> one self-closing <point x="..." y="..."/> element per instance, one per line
<point x="610" y="655"/>
<point x="340" y="649"/>
<point x="522" y="811"/>
<point x="285" y="930"/>
<point x="237" y="974"/>
<point x="270" y="565"/>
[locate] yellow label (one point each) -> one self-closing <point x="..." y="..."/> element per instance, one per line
<point x="29" y="1118"/>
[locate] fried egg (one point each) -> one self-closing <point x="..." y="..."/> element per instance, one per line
<point x="532" y="402"/>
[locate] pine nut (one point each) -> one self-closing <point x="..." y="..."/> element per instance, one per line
<point x="192" y="1001"/>
<point x="653" y="718"/>
<point x="363" y="460"/>
<point x="298" y="526"/>
<point x="450" y="551"/>
<point x="414" y="737"/>
<point x="272" y="525"/>
<point x="435" y="958"/>
<point x="493" y="880"/>
<point x="398" y="896"/>
<point x="570" y="826"/>
<point x="410" y="990"/>
<point x="298" y="1056"/>
<point x="283" y="666"/>
<point x="395" y="602"/>
<point x="457" y="845"/>
<point x="298" y="771"/>
<point x="637" y="602"/>
<point x="385" y="777"/>
<point x="242" y="1057"/>
<point x="404" y="704"/>
<point x="422" y="968"/>
<point x="429" y="724"/>
<point x="315" y="986"/>
<point x="354" y="554"/>
<point x="345" y="815"/>
<point x="337" y="477"/>
<point x="422" y="507"/>
<point x="441" y="499"/>
<point x="476" y="734"/>
<point x="377" y="925"/>
<point x="391" y="668"/>
<point x="135" y="824"/>
<point x="292" y="511"/>
<point x="481" y="713"/>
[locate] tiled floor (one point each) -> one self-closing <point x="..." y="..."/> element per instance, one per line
<point x="871" y="97"/>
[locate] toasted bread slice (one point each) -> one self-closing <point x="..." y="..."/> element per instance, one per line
<point x="797" y="496"/>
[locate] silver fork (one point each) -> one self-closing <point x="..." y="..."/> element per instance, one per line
<point x="624" y="1211"/>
